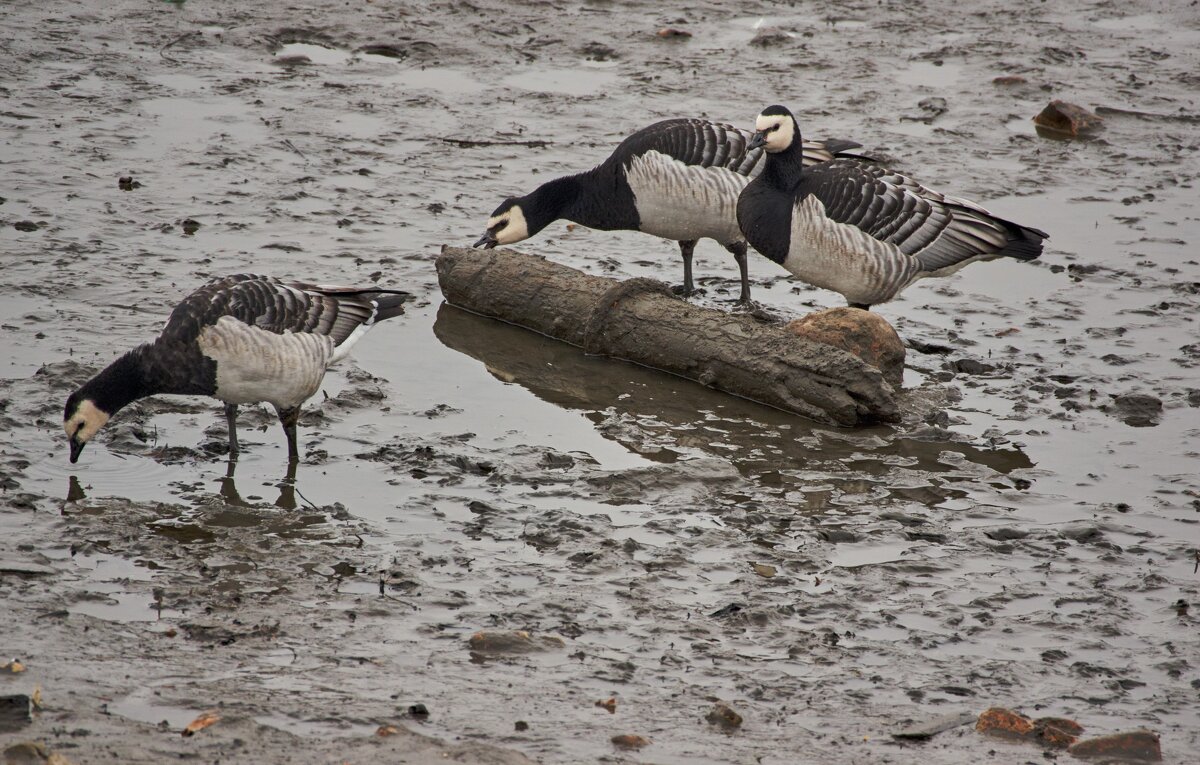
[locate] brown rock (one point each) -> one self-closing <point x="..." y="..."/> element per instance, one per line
<point x="515" y="642"/>
<point x="999" y="721"/>
<point x="1009" y="79"/>
<point x="629" y="741"/>
<point x="1060" y="119"/>
<point x="1135" y="745"/>
<point x="673" y="32"/>
<point x="723" y="716"/>
<point x="866" y="335"/>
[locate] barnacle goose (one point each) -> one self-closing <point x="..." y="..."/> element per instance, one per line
<point x="677" y="179"/>
<point x="861" y="229"/>
<point x="241" y="339"/>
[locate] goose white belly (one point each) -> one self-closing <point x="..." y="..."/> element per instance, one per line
<point x="256" y="365"/>
<point x="844" y="258"/>
<point x="684" y="202"/>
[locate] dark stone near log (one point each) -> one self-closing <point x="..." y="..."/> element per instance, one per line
<point x="1061" y="119"/>
<point x="1130" y="746"/>
<point x="641" y="321"/>
<point x="867" y="335"/>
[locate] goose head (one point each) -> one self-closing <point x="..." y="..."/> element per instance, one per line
<point x="775" y="130"/>
<point x="82" y="419"/>
<point x="507" y="225"/>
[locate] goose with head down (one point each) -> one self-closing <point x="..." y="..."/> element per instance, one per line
<point x="240" y="339"/>
<point x="677" y="179"/>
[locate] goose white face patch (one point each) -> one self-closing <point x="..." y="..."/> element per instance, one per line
<point x="85" y="422"/>
<point x="777" y="129"/>
<point x="509" y="226"/>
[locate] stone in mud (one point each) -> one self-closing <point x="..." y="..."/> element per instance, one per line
<point x="1060" y="118"/>
<point x="771" y="36"/>
<point x="1129" y="746"/>
<point x="724" y="717"/>
<point x="511" y="643"/>
<point x="1139" y="410"/>
<point x="1005" y="723"/>
<point x="672" y="32"/>
<point x="865" y="334"/>
<point x="1053" y="732"/>
<point x="630" y="741"/>
<point x="1009" y="79"/>
<point x="25" y="225"/>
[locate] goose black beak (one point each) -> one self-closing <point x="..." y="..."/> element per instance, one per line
<point x="76" y="448"/>
<point x="757" y="140"/>
<point x="487" y="241"/>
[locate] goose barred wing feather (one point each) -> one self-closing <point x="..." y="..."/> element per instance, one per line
<point x="702" y="143"/>
<point x="940" y="232"/>
<point x="273" y="305"/>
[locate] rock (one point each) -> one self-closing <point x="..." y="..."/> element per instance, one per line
<point x="970" y="367"/>
<point x="770" y="36"/>
<point x="629" y="741"/>
<point x="1134" y="745"/>
<point x="669" y="32"/>
<point x="515" y="642"/>
<point x="724" y="717"/>
<point x="866" y="335"/>
<point x="1138" y="410"/>
<point x="1009" y="79"/>
<point x="1052" y="732"/>
<point x="25" y="225"/>
<point x="1062" y="119"/>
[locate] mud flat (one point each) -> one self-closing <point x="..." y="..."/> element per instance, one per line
<point x="1026" y="537"/>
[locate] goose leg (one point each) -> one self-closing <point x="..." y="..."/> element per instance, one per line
<point x="739" y="254"/>
<point x="685" y="249"/>
<point x="231" y="422"/>
<point x="288" y="418"/>
<point x="287" y="489"/>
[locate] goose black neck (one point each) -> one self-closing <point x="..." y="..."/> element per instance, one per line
<point x="784" y="169"/>
<point x="551" y="201"/>
<point x="120" y="383"/>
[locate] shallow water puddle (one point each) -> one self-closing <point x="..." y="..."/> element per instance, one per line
<point x="587" y="80"/>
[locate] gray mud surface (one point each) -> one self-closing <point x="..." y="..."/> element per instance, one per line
<point x="1027" y="537"/>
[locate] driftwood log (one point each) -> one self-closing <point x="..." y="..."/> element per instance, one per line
<point x="641" y="321"/>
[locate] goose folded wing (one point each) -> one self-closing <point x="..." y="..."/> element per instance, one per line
<point x="938" y="231"/>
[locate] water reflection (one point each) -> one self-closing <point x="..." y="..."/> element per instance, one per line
<point x="286" y="486"/>
<point x="660" y="416"/>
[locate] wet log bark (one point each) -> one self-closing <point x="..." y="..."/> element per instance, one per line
<point x="641" y="321"/>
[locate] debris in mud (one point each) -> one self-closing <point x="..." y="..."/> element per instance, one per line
<point x="771" y="36"/>
<point x="384" y="731"/>
<point x="1054" y="732"/>
<point x="672" y="32"/>
<point x="516" y="642"/>
<point x="598" y="51"/>
<point x="12" y="668"/>
<point x="200" y="723"/>
<point x="630" y="741"/>
<point x="867" y="335"/>
<point x="1130" y="746"/>
<point x="724" y="717"/>
<point x="930" y="728"/>
<point x="127" y="183"/>
<point x="1060" y="119"/>
<point x="189" y="226"/>
<point x="32" y="753"/>
<point x="1139" y="410"/>
<point x="16" y="711"/>
<point x="386" y="50"/>
<point x="610" y="704"/>
<point x="1009" y="79"/>
<point x="931" y="108"/>
<point x="25" y="225"/>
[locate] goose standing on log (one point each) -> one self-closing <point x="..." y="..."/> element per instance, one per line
<point x="861" y="229"/>
<point x="241" y="339"/>
<point x="677" y="179"/>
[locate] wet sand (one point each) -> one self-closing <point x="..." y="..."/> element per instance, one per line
<point x="1024" y="538"/>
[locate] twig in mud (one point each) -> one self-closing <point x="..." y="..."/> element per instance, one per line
<point x="292" y="146"/>
<point x="468" y="143"/>
<point x="306" y="500"/>
<point x="181" y="38"/>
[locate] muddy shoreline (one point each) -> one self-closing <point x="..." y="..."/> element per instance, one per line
<point x="1026" y="537"/>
